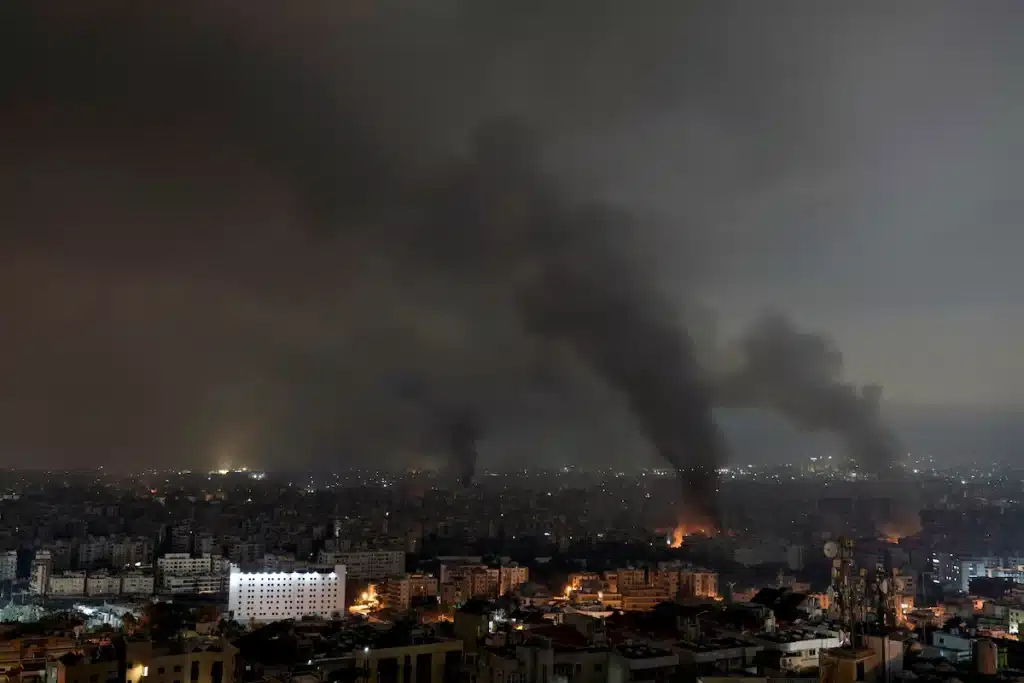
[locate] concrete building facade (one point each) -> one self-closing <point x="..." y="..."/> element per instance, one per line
<point x="273" y="596"/>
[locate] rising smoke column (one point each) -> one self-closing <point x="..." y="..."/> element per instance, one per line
<point x="336" y="129"/>
<point x="575" y="282"/>
<point x="487" y="222"/>
<point x="460" y="428"/>
<point x="464" y="430"/>
<point x="606" y="312"/>
<point x="799" y="375"/>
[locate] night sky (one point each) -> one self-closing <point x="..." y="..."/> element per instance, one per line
<point x="239" y="233"/>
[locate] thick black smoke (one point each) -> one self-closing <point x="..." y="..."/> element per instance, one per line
<point x="799" y="375"/>
<point x="573" y="279"/>
<point x="458" y="428"/>
<point x="464" y="431"/>
<point x="600" y="304"/>
<point x="417" y="227"/>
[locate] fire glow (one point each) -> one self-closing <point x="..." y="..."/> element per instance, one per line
<point x="367" y="602"/>
<point x="683" y="530"/>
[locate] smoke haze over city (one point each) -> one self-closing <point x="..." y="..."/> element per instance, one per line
<point x="313" y="232"/>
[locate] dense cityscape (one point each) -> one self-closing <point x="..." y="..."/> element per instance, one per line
<point x="527" y="575"/>
<point x="511" y="341"/>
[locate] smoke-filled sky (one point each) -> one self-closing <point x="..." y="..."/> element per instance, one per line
<point x="199" y="262"/>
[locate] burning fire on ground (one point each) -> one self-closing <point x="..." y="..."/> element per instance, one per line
<point x="367" y="602"/>
<point x="683" y="530"/>
<point x="893" y="532"/>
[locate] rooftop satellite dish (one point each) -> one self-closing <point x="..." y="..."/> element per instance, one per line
<point x="831" y="549"/>
<point x="884" y="586"/>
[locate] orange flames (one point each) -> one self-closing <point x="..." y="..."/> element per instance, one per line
<point x="893" y="532"/>
<point x="683" y="530"/>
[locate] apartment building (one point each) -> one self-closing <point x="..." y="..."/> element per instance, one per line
<point x="130" y="552"/>
<point x="279" y="563"/>
<point x="425" y="661"/>
<point x="184" y="564"/>
<point x="196" y="661"/>
<point x="137" y="583"/>
<point x="272" y="596"/>
<point x="42" y="569"/>
<point x="67" y="584"/>
<point x="511" y="577"/>
<point x="367" y="565"/>
<point x="31" y="653"/>
<point x="247" y="554"/>
<point x="92" y="552"/>
<point x="628" y="579"/>
<point x="102" y="583"/>
<point x="481" y="581"/>
<point x="399" y="592"/>
<point x="698" y="583"/>
<point x="642" y="599"/>
<point x="196" y="584"/>
<point x="665" y="579"/>
<point x="9" y="565"/>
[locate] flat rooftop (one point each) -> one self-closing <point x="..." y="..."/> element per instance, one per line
<point x="642" y="652"/>
<point x="310" y="570"/>
<point x="713" y="644"/>
<point x="851" y="653"/>
<point x="794" y="635"/>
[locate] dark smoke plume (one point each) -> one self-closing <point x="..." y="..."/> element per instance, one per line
<point x="590" y="297"/>
<point x="799" y="375"/>
<point x="460" y="429"/>
<point x="464" y="430"/>
<point x="575" y="282"/>
<point x="346" y="115"/>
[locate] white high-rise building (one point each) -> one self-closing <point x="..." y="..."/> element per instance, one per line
<point x="273" y="596"/>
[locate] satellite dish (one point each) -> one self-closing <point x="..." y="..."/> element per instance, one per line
<point x="884" y="586"/>
<point x="831" y="549"/>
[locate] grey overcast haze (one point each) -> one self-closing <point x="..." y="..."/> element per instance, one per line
<point x="238" y="233"/>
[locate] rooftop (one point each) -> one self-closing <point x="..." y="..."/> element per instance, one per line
<point x="642" y="651"/>
<point x="794" y="635"/>
<point x="851" y="653"/>
<point x="712" y="644"/>
<point x="309" y="570"/>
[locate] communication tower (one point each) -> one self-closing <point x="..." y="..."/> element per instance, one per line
<point x="846" y="589"/>
<point x="858" y="598"/>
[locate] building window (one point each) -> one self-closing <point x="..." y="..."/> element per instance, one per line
<point x="860" y="671"/>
